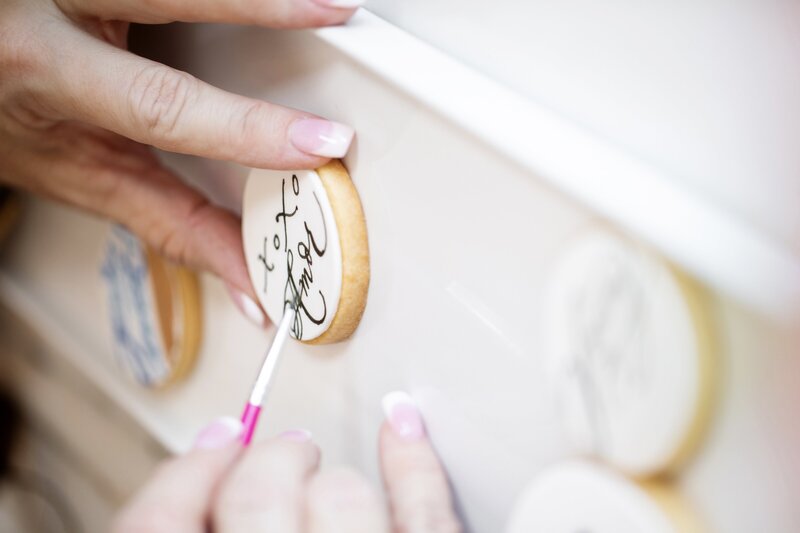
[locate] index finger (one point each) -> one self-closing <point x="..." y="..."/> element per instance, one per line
<point x="174" y="111"/>
<point x="419" y="492"/>
<point x="271" y="13"/>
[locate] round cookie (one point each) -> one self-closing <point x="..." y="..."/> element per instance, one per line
<point x="581" y="497"/>
<point x="154" y="311"/>
<point x="628" y="352"/>
<point x="305" y="241"/>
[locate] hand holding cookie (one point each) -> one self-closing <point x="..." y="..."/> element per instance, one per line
<point x="78" y="114"/>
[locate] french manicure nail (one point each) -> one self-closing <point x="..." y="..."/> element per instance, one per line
<point x="218" y="434"/>
<point x="247" y="306"/>
<point x="296" y="435"/>
<point x="321" y="137"/>
<point x="403" y="416"/>
<point x="340" y="3"/>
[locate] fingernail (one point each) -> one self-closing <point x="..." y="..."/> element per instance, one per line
<point x="403" y="416"/>
<point x="340" y="3"/>
<point x="247" y="306"/>
<point x="218" y="434"/>
<point x="321" y="137"/>
<point x="296" y="435"/>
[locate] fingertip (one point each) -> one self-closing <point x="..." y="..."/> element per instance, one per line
<point x="236" y="277"/>
<point x="320" y="137"/>
<point x="292" y="158"/>
<point x="416" y="483"/>
<point x="266" y="135"/>
<point x="297" y="14"/>
<point x="341" y="4"/>
<point x="388" y="442"/>
<point x="388" y="437"/>
<point x="403" y="416"/>
<point x="219" y="434"/>
<point x="247" y="306"/>
<point x="318" y="13"/>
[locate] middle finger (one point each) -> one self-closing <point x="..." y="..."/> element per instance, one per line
<point x="271" y="13"/>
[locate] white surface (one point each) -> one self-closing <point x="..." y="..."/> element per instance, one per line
<point x="577" y="497"/>
<point x="452" y="222"/>
<point x="292" y="248"/>
<point x="706" y="91"/>
<point x="622" y="353"/>
<point x="647" y="199"/>
<point x="77" y="438"/>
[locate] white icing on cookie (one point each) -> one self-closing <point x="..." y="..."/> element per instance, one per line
<point x="578" y="497"/>
<point x="292" y="248"/>
<point x="622" y="354"/>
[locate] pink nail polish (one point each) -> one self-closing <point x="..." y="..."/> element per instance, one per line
<point x="321" y="137"/>
<point x="296" y="435"/>
<point x="340" y="3"/>
<point x="218" y="434"/>
<point x="403" y="416"/>
<point x="247" y="306"/>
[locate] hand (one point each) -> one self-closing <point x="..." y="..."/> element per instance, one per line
<point x="77" y="113"/>
<point x="277" y="486"/>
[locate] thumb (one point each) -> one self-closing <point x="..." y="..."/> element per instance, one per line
<point x="177" y="499"/>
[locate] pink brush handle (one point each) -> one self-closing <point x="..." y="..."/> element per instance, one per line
<point x="249" y="419"/>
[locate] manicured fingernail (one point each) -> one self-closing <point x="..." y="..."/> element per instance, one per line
<point x="340" y="3"/>
<point x="403" y="416"/>
<point x="247" y="306"/>
<point x="218" y="434"/>
<point x="321" y="137"/>
<point x="296" y="435"/>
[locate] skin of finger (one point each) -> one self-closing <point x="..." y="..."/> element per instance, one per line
<point x="183" y="225"/>
<point x="269" y="13"/>
<point x="98" y="83"/>
<point x="266" y="490"/>
<point x="95" y="169"/>
<point x="417" y="486"/>
<point x="122" y="180"/>
<point x="23" y="56"/>
<point x="111" y="176"/>
<point x="178" y="498"/>
<point x="341" y="500"/>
